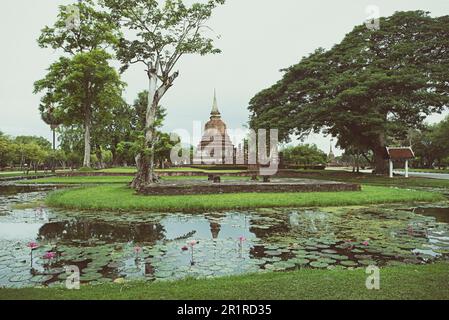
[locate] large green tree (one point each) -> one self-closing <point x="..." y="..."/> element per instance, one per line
<point x="81" y="89"/>
<point x="374" y="85"/>
<point x="162" y="34"/>
<point x="81" y="31"/>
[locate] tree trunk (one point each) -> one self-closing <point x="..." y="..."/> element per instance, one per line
<point x="115" y="160"/>
<point x="99" y="153"/>
<point x="145" y="162"/>
<point x="53" y="161"/>
<point x="380" y="163"/>
<point x="87" y="146"/>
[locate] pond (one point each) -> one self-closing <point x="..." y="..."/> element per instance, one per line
<point x="108" y="246"/>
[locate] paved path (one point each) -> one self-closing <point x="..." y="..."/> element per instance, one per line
<point x="441" y="176"/>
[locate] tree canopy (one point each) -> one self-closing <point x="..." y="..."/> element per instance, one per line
<point x="374" y="85"/>
<point x="304" y="155"/>
<point x="80" y="28"/>
<point x="26" y="152"/>
<point x="81" y="90"/>
<point x="82" y="32"/>
<point x="160" y="34"/>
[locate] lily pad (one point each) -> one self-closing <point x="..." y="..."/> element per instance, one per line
<point x="20" y="278"/>
<point x="348" y="263"/>
<point x="317" y="264"/>
<point x="300" y="261"/>
<point x="41" y="278"/>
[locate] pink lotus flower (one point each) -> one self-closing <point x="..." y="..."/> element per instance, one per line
<point x="137" y="250"/>
<point x="193" y="243"/>
<point x="242" y="239"/>
<point x="33" y="245"/>
<point x="50" y="255"/>
<point x="365" y="243"/>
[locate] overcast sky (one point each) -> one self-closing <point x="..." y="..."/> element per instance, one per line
<point x="258" y="38"/>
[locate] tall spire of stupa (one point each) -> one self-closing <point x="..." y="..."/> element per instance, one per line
<point x="215" y="112"/>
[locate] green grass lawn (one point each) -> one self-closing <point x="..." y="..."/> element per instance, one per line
<point x="404" y="282"/>
<point x="112" y="179"/>
<point x="117" y="197"/>
<point x="370" y="179"/>
<point x="80" y="180"/>
<point x="134" y="170"/>
<point x="18" y="174"/>
<point x="343" y="176"/>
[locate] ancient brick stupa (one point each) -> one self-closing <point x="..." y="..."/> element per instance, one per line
<point x="215" y="139"/>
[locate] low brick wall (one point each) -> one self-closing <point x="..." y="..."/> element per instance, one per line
<point x="280" y="174"/>
<point x="93" y="174"/>
<point x="161" y="174"/>
<point x="220" y="188"/>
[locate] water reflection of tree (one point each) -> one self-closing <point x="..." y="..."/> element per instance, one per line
<point x="281" y="227"/>
<point x="107" y="231"/>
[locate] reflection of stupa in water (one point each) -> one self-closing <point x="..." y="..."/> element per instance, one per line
<point x="215" y="226"/>
<point x="215" y="229"/>
<point x="215" y="147"/>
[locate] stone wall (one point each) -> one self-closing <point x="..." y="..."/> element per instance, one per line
<point x="220" y="188"/>
<point x="280" y="174"/>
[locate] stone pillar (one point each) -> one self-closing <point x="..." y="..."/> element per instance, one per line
<point x="406" y="169"/>
<point x="391" y="168"/>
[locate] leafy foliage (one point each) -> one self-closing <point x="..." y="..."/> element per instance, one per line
<point x="431" y="144"/>
<point x="162" y="34"/>
<point x="82" y="90"/>
<point x="27" y="152"/>
<point x="91" y="29"/>
<point x="304" y="155"/>
<point x="372" y="86"/>
<point x="83" y="32"/>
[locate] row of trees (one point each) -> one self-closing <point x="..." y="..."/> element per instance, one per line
<point x="26" y="153"/>
<point x="368" y="91"/>
<point x="31" y="153"/>
<point x="114" y="137"/>
<point x="82" y="92"/>
<point x="431" y="145"/>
